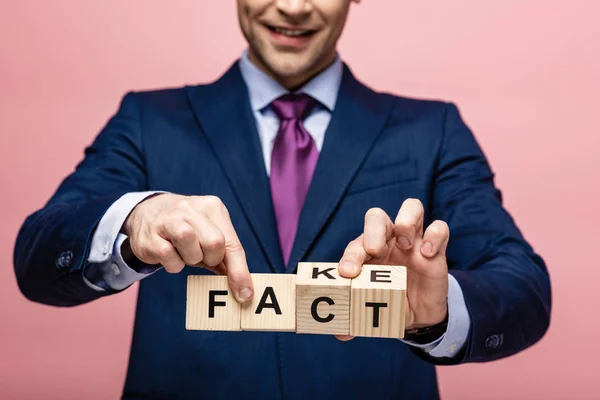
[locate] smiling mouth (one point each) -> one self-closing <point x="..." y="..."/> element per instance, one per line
<point x="291" y="32"/>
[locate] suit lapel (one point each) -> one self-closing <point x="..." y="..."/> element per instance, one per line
<point x="357" y="120"/>
<point x="223" y="110"/>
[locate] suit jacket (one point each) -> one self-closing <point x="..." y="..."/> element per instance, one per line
<point x="379" y="149"/>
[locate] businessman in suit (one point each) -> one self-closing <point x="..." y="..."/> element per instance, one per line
<point x="288" y="157"/>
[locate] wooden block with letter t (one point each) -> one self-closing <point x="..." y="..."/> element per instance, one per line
<point x="322" y="299"/>
<point x="273" y="307"/>
<point x="378" y="302"/>
<point x="211" y="305"/>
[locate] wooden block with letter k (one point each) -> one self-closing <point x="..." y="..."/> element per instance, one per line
<point x="322" y="299"/>
<point x="378" y="302"/>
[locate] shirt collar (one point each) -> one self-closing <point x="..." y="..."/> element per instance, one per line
<point x="263" y="89"/>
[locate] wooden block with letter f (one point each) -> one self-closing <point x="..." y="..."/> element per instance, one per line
<point x="322" y="299"/>
<point x="378" y="302"/>
<point x="211" y="305"/>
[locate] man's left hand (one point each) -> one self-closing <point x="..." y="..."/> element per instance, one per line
<point x="403" y="242"/>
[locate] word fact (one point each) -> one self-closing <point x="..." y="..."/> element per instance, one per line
<point x="316" y="300"/>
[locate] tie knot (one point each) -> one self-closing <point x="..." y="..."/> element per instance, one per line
<point x="293" y="106"/>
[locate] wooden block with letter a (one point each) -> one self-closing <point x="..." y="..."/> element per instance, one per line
<point x="378" y="302"/>
<point x="273" y="307"/>
<point x="211" y="305"/>
<point x="322" y="299"/>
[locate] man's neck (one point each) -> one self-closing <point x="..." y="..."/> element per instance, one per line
<point x="291" y="83"/>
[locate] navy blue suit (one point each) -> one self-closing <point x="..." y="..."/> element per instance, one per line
<point x="379" y="149"/>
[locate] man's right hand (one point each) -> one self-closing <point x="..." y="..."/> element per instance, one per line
<point x="174" y="231"/>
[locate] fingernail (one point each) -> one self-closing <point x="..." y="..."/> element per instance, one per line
<point x="245" y="294"/>
<point x="348" y="268"/>
<point x="403" y="242"/>
<point x="427" y="248"/>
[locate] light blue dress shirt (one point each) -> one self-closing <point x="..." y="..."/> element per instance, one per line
<point x="107" y="269"/>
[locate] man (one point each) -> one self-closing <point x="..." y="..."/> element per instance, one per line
<point x="285" y="158"/>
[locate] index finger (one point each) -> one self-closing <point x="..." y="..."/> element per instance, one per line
<point x="234" y="260"/>
<point x="379" y="229"/>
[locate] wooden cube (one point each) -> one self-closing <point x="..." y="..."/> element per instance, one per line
<point x="273" y="307"/>
<point x="322" y="300"/>
<point x="211" y="306"/>
<point x="378" y="302"/>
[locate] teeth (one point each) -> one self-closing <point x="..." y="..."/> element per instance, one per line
<point x="290" y="32"/>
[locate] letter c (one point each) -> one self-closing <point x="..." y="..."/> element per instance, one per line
<point x="315" y="304"/>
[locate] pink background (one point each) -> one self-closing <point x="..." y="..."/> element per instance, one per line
<point x="525" y="74"/>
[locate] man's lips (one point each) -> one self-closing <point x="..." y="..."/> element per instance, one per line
<point x="286" y="36"/>
<point x="291" y="31"/>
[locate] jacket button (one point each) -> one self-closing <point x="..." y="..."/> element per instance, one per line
<point x="64" y="260"/>
<point x="494" y="341"/>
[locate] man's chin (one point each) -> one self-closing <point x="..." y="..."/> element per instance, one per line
<point x="290" y="67"/>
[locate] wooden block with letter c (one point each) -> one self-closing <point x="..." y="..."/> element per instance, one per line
<point x="322" y="299"/>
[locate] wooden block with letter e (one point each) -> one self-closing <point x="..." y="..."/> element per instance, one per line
<point x="378" y="302"/>
<point x="322" y="299"/>
<point x="273" y="307"/>
<point x="211" y="305"/>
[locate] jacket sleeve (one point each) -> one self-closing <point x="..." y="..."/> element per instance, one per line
<point x="53" y="244"/>
<point x="505" y="283"/>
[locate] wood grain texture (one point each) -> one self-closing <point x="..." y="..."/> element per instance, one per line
<point x="226" y="317"/>
<point x="261" y="313"/>
<point x="382" y="290"/>
<point x="315" y="289"/>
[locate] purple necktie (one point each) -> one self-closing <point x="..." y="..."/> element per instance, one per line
<point x="293" y="162"/>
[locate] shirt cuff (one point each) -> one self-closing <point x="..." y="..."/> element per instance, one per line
<point x="117" y="274"/>
<point x="459" y="325"/>
<point x="104" y="250"/>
